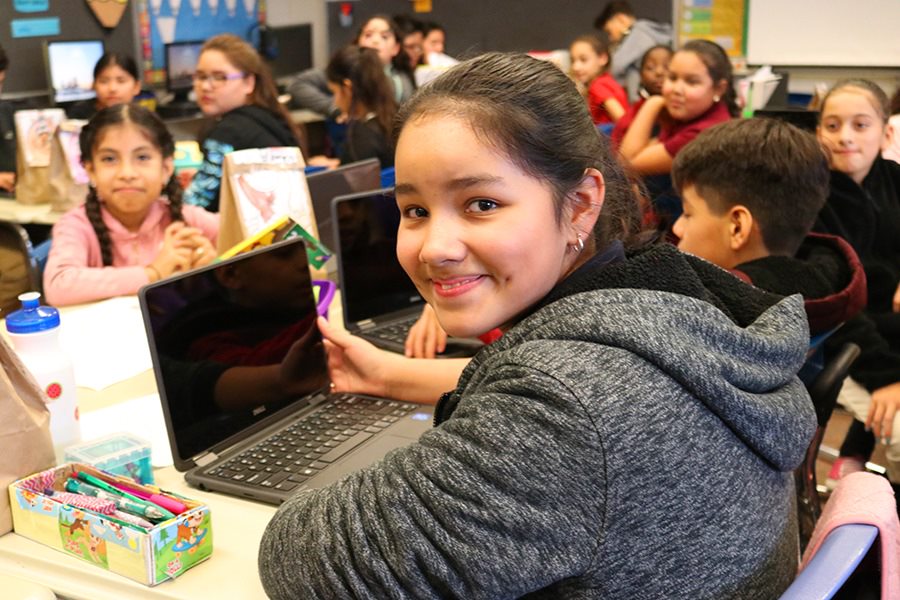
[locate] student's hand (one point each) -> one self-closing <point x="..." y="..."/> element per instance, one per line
<point x="175" y="254"/>
<point x="354" y="364"/>
<point x="426" y="337"/>
<point x="884" y="406"/>
<point x="299" y="367"/>
<point x="7" y="181"/>
<point x="323" y="161"/>
<point x="897" y="300"/>
<point x="204" y="252"/>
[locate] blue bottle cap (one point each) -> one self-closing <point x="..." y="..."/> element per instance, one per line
<point x="32" y="317"/>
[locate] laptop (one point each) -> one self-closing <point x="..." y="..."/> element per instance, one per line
<point x="379" y="300"/>
<point x="243" y="381"/>
<point x="326" y="185"/>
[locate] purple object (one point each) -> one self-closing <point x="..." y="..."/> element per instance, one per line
<point x="326" y="294"/>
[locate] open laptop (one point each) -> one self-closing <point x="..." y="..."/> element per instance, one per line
<point x="326" y="185"/>
<point x="379" y="300"/>
<point x="244" y="385"/>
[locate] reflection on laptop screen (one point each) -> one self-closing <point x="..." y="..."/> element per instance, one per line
<point x="251" y="318"/>
<point x="373" y="281"/>
<point x="325" y="186"/>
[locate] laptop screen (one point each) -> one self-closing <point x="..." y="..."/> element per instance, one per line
<point x="232" y="344"/>
<point x="373" y="283"/>
<point x="325" y="186"/>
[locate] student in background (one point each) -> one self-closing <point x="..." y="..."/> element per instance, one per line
<point x="363" y="92"/>
<point x="631" y="38"/>
<point x="7" y="134"/>
<point x="697" y="93"/>
<point x="590" y="61"/>
<point x="412" y="38"/>
<point x="116" y="81"/>
<point x="654" y="66"/>
<point x="527" y="483"/>
<point x="892" y="143"/>
<point x="234" y="86"/>
<point x="435" y="39"/>
<point x="863" y="207"/>
<point x="132" y="229"/>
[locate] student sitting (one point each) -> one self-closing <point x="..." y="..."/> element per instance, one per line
<point x="234" y="86"/>
<point x="864" y="208"/>
<point x="435" y="40"/>
<point x="631" y="38"/>
<point x="654" y="67"/>
<point x="606" y="98"/>
<point x="126" y="234"/>
<point x="7" y="135"/>
<point x="559" y="466"/>
<point x="116" y="81"/>
<point x="412" y="39"/>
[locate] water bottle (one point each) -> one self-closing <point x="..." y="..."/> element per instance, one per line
<point x="34" y="331"/>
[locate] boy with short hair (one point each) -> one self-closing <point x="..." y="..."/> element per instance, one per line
<point x="7" y="135"/>
<point x="752" y="190"/>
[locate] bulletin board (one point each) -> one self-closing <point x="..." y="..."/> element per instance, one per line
<point x="164" y="21"/>
<point x="721" y="21"/>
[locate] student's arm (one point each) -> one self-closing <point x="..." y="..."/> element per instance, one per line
<point x="357" y="366"/>
<point x="7" y="181"/>
<point x="884" y="406"/>
<point x="896" y="303"/>
<point x="310" y="90"/>
<point x="614" y="108"/>
<point x="645" y="154"/>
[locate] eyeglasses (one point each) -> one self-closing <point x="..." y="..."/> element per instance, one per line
<point x="216" y="79"/>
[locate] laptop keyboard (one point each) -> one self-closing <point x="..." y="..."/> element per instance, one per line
<point x="298" y="452"/>
<point x="393" y="332"/>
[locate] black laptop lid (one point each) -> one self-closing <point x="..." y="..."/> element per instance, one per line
<point x="249" y="320"/>
<point x="325" y="186"/>
<point x="373" y="284"/>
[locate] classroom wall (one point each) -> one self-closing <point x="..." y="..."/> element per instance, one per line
<point x="282" y="13"/>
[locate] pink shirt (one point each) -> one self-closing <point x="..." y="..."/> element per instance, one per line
<point x="603" y="88"/>
<point x="676" y="136"/>
<point x="75" y="271"/>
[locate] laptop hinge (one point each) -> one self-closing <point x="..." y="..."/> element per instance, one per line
<point x="204" y="459"/>
<point x="365" y="324"/>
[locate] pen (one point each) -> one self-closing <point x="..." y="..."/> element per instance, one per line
<point x="87" y="478"/>
<point x="169" y="504"/>
<point x="135" y="507"/>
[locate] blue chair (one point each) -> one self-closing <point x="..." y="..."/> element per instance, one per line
<point x="836" y="559"/>
<point x="606" y="128"/>
<point x="387" y="177"/>
<point x="40" y="253"/>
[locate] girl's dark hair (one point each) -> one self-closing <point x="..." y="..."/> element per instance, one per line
<point x="531" y="112"/>
<point x="656" y="47"/>
<point x="879" y="98"/>
<point x="719" y="66"/>
<point x="371" y="90"/>
<point x="400" y="62"/>
<point x="246" y="59"/>
<point x="155" y="131"/>
<point x="123" y="61"/>
<point x="599" y="42"/>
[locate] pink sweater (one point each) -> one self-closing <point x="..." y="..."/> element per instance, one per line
<point x="75" y="271"/>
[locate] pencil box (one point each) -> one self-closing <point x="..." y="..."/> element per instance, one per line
<point x="118" y="453"/>
<point x="149" y="556"/>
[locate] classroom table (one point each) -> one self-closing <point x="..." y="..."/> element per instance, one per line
<point x="27" y="214"/>
<point x="237" y="527"/>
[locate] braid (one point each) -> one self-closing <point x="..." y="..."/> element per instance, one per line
<point x="92" y="208"/>
<point x="174" y="192"/>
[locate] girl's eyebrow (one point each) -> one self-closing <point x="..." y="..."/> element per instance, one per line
<point x="459" y="183"/>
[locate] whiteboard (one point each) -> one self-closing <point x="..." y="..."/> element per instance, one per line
<point x="850" y="33"/>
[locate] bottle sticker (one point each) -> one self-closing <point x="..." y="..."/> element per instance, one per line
<point x="54" y="391"/>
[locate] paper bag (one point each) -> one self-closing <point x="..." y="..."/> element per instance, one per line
<point x="261" y="186"/>
<point x="35" y="130"/>
<point x="25" y="443"/>
<point x="68" y="179"/>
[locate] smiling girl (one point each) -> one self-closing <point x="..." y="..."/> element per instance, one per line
<point x="559" y="462"/>
<point x="697" y="93"/>
<point x="132" y="229"/>
<point x="863" y="207"/>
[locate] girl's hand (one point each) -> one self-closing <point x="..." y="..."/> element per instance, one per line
<point x="884" y="406"/>
<point x="426" y="337"/>
<point x="7" y="181"/>
<point x="176" y="251"/>
<point x="204" y="252"/>
<point x="897" y="300"/>
<point x="354" y="364"/>
<point x="323" y="161"/>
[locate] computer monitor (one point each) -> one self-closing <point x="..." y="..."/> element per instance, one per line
<point x="70" y="68"/>
<point x="290" y="50"/>
<point x="181" y="62"/>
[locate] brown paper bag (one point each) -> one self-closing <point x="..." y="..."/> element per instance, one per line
<point x="25" y="443"/>
<point x="35" y="130"/>
<point x="68" y="179"/>
<point x="259" y="187"/>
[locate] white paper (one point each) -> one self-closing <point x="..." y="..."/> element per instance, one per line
<point x="141" y="417"/>
<point x="106" y="342"/>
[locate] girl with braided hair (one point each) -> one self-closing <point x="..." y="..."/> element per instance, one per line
<point x="133" y="228"/>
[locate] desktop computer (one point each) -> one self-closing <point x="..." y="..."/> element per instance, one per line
<point x="181" y="62"/>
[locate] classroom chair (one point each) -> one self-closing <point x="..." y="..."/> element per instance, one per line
<point x="18" y="267"/>
<point x="388" y="177"/>
<point x="855" y="549"/>
<point x="823" y="389"/>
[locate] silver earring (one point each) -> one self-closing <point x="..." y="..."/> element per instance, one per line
<point x="716" y="98"/>
<point x="578" y="246"/>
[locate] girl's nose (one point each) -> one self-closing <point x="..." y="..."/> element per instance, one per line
<point x="442" y="243"/>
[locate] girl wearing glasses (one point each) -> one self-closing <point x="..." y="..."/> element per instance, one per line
<point x="234" y="86"/>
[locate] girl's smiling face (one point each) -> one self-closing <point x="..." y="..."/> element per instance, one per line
<point x="852" y="130"/>
<point x="586" y="63"/>
<point x="688" y="89"/>
<point x="479" y="237"/>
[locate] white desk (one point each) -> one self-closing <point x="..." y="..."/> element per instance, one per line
<point x="37" y="214"/>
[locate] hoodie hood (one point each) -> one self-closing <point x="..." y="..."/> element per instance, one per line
<point x="734" y="347"/>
